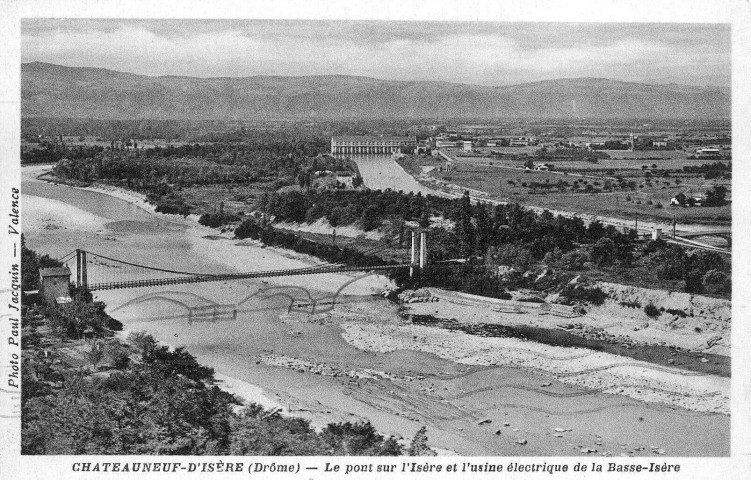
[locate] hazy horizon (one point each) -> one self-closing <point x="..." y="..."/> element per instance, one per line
<point x="476" y="53"/>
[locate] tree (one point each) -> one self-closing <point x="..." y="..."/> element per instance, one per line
<point x="603" y="252"/>
<point x="370" y="218"/>
<point x="30" y="265"/>
<point x="465" y="229"/>
<point x="595" y="231"/>
<point x="716" y="196"/>
<point x="419" y="446"/>
<point x="509" y="255"/>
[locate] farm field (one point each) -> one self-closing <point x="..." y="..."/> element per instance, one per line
<point x="589" y="188"/>
<point x="602" y="164"/>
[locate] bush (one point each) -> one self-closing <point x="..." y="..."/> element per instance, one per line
<point x="652" y="311"/>
<point x="142" y="340"/>
<point x="631" y="304"/>
<point x="593" y="295"/>
<point x="573" y="261"/>
<point x="215" y="220"/>
<point x="117" y="355"/>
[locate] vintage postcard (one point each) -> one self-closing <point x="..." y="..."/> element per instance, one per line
<point x="318" y="241"/>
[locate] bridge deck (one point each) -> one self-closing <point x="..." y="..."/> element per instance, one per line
<point x="239" y="276"/>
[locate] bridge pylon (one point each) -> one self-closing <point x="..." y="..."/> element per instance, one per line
<point x="81" y="274"/>
<point x="423" y="252"/>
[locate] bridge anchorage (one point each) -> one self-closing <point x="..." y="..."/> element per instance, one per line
<point x="99" y="272"/>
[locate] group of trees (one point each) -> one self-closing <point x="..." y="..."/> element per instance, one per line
<point x="368" y="207"/>
<point x="716" y="197"/>
<point x="162" y="172"/>
<point x="161" y="402"/>
<point x="701" y="271"/>
<point x="51" y="152"/>
<point x="483" y="236"/>
<point x="250" y="228"/>
<point x="477" y="227"/>
<point x="113" y="129"/>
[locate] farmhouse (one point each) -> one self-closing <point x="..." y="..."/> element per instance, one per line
<point x="685" y="201"/>
<point x="55" y="284"/>
<point x="708" y="152"/>
<point x="345" y="178"/>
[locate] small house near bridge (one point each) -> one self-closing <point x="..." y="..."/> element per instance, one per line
<point x="55" y="284"/>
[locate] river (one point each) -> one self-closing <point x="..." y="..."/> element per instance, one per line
<point x="301" y="362"/>
<point x="380" y="172"/>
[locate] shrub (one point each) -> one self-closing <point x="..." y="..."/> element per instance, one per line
<point x="631" y="304"/>
<point x="141" y="340"/>
<point x="215" y="220"/>
<point x="117" y="355"/>
<point x="652" y="311"/>
<point x="95" y="353"/>
<point x="593" y="295"/>
<point x="573" y="260"/>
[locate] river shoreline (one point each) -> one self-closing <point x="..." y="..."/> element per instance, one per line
<point x="657" y="354"/>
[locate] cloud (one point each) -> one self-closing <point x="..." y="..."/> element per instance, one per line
<point x="470" y="52"/>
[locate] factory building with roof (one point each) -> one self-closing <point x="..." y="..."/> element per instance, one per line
<point x="371" y="144"/>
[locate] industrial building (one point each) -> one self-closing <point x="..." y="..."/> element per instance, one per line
<point x="371" y="144"/>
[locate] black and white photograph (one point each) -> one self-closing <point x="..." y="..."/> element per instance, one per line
<point x="502" y="243"/>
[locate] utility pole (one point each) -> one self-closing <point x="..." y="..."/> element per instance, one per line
<point x="636" y="226"/>
<point x="674" y="226"/>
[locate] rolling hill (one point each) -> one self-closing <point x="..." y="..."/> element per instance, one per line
<point x="50" y="90"/>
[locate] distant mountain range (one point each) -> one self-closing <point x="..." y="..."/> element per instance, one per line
<point x="49" y="90"/>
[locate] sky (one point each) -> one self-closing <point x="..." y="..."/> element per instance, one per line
<point x="483" y="53"/>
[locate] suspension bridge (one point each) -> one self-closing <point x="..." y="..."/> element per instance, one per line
<point x="99" y="272"/>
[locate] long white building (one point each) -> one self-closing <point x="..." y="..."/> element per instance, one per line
<point x="368" y="144"/>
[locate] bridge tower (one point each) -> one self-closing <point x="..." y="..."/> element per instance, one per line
<point x="423" y="250"/>
<point x="81" y="274"/>
<point x="413" y="254"/>
<point x="423" y="253"/>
